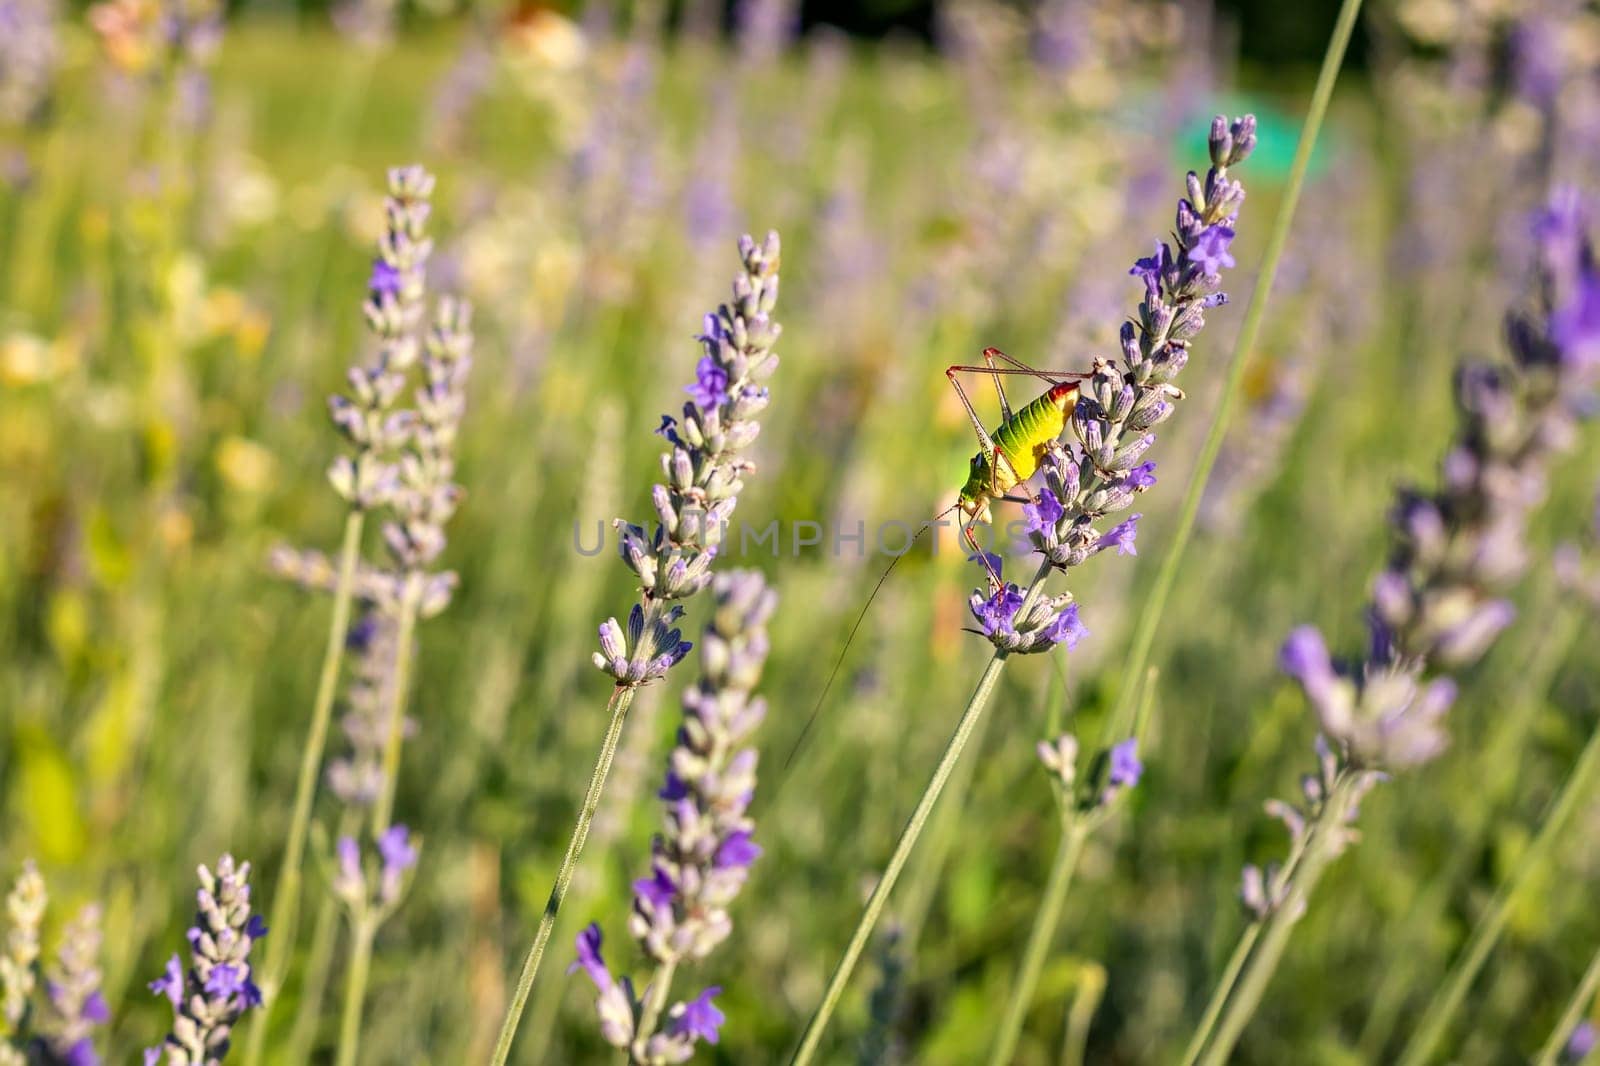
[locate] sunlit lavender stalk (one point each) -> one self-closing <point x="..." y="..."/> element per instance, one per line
<point x="210" y="995"/>
<point x="1435" y="609"/>
<point x="74" y="1004"/>
<point x="701" y="859"/>
<point x="704" y="468"/>
<point x="423" y="502"/>
<point x="424" y="499"/>
<point x="24" y="914"/>
<point x="365" y="478"/>
<point x="1100" y="477"/>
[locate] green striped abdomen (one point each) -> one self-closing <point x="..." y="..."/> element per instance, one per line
<point x="1024" y="437"/>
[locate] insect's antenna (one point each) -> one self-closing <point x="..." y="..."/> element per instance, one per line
<point x="861" y="617"/>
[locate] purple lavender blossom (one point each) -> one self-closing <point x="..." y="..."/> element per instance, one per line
<point x="1581" y="1043"/>
<point x="386" y="279"/>
<point x="374" y="894"/>
<point x="393" y="310"/>
<point x="209" y="997"/>
<point x="1121" y="536"/>
<point x="1103" y="472"/>
<point x="1152" y="269"/>
<point x="1575" y="327"/>
<point x="704" y="469"/>
<point x="699" y="1018"/>
<point x="1438" y="605"/>
<point x="1043" y="513"/>
<point x="589" y="958"/>
<point x="710" y="388"/>
<point x="170" y="983"/>
<point x="1019" y="628"/>
<point x="1125" y="768"/>
<point x="700" y="861"/>
<point x="1210" y="251"/>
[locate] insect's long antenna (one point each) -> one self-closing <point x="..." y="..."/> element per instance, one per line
<point x="861" y="617"/>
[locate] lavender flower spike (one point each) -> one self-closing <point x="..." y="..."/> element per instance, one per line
<point x="393" y="310"/>
<point x="25" y="913"/>
<point x="1101" y="473"/>
<point x="700" y="860"/>
<point x="209" y="996"/>
<point x="704" y="471"/>
<point x="704" y="468"/>
<point x="74" y="1005"/>
<point x="1438" y="605"/>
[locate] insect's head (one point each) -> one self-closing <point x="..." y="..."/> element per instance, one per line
<point x="974" y="498"/>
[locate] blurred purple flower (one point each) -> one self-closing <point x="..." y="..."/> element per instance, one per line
<point x="1125" y="769"/>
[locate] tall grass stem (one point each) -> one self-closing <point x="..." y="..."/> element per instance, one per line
<point x="1582" y="997"/>
<point x="1075" y="833"/>
<point x="1155" y="604"/>
<point x="812" y="1037"/>
<point x="1448" y="999"/>
<point x="1497" y="771"/>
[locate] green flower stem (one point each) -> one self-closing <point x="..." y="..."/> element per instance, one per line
<point x="1448" y="999"/>
<point x="812" y="1037"/>
<point x="1074" y="834"/>
<point x="363" y="929"/>
<point x="286" y="894"/>
<point x="405" y="631"/>
<point x="621" y="700"/>
<point x="319" y="960"/>
<point x="1075" y="831"/>
<point x="1581" y="999"/>
<point x="650" y="1016"/>
<point x="1236" y="961"/>
<point x="1322" y="846"/>
<point x="1155" y="604"/>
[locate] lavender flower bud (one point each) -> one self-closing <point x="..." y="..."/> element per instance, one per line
<point x="1060" y="757"/>
<point x="73" y="1002"/>
<point x="209" y="997"/>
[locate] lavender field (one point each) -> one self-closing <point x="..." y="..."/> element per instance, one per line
<point x="493" y="568"/>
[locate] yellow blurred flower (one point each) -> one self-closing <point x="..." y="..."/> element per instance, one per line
<point x="245" y="465"/>
<point x="129" y="32"/>
<point x="176" y="529"/>
<point x="27" y="359"/>
<point x="547" y="39"/>
<point x="24" y="359"/>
